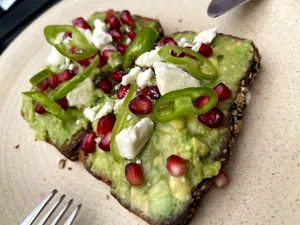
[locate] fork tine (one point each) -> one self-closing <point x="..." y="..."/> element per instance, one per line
<point x="73" y="215"/>
<point x="51" y="210"/>
<point x="61" y="213"/>
<point x="35" y="213"/>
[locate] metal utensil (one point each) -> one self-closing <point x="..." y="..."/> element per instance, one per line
<point x="219" y="7"/>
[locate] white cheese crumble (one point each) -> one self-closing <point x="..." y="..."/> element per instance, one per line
<point x="82" y="95"/>
<point x="106" y="109"/>
<point x="118" y="104"/>
<point x="148" y="184"/>
<point x="169" y="78"/>
<point x="183" y="42"/>
<point x="90" y="113"/>
<point x="131" y="140"/>
<point x="139" y="161"/>
<point x="131" y="76"/>
<point x="127" y="28"/>
<point x="183" y="179"/>
<point x="144" y="78"/>
<point x="78" y="122"/>
<point x="108" y="47"/>
<point x="128" y="41"/>
<point x="148" y="58"/>
<point x="98" y="139"/>
<point x="57" y="59"/>
<point x="100" y="36"/>
<point x="129" y="117"/>
<point x="71" y="66"/>
<point x="87" y="33"/>
<point x="205" y="37"/>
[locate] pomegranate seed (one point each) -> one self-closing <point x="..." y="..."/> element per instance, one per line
<point x="221" y="180"/>
<point x="104" y="85"/>
<point x="201" y="101"/>
<point x="102" y="60"/>
<point x="63" y="103"/>
<point x="176" y="166"/>
<point x="131" y="34"/>
<point x="53" y="81"/>
<point x="84" y="62"/>
<point x="106" y="54"/>
<point x="213" y="118"/>
<point x="140" y="105"/>
<point x="113" y="22"/>
<point x="109" y="13"/>
<point x="123" y="90"/>
<point x="106" y="124"/>
<point x="172" y="53"/>
<point x="122" y="48"/>
<point x="105" y="142"/>
<point x="151" y="92"/>
<point x="88" y="143"/>
<point x="134" y="174"/>
<point x="67" y="35"/>
<point x="205" y="50"/>
<point x="117" y="76"/>
<point x="39" y="109"/>
<point x="80" y="22"/>
<point x="43" y="85"/>
<point x="64" y="76"/>
<point x="126" y="17"/>
<point x="185" y="54"/>
<point x="116" y="34"/>
<point x="169" y="41"/>
<point x="223" y="92"/>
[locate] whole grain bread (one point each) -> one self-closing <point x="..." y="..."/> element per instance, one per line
<point x="234" y="123"/>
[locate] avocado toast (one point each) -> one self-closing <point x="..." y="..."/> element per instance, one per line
<point x="73" y="50"/>
<point x="162" y="178"/>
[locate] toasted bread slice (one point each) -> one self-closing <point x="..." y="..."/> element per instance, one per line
<point x="70" y="144"/>
<point x="232" y="126"/>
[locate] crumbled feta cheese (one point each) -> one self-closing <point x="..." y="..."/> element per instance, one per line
<point x="59" y="38"/>
<point x="129" y="117"/>
<point x="205" y="37"/>
<point x="100" y="36"/>
<point x="57" y="59"/>
<point x="138" y="161"/>
<point x="131" y="76"/>
<point x="127" y="41"/>
<point x="131" y="140"/>
<point x="118" y="104"/>
<point x="82" y="95"/>
<point x="78" y="122"/>
<point x="98" y="139"/>
<point x="148" y="58"/>
<point x="71" y="66"/>
<point x="90" y="113"/>
<point x="127" y="28"/>
<point x="87" y="33"/>
<point x="148" y="184"/>
<point x="183" y="179"/>
<point x="106" y="109"/>
<point x="108" y="47"/>
<point x="144" y="78"/>
<point x="169" y="78"/>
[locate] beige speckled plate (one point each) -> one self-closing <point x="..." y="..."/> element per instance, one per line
<point x="265" y="167"/>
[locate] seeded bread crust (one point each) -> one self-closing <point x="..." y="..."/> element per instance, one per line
<point x="71" y="149"/>
<point x="234" y="123"/>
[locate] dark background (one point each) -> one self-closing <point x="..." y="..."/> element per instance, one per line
<point x="20" y="15"/>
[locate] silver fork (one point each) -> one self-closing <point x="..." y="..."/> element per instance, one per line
<point x="36" y="212"/>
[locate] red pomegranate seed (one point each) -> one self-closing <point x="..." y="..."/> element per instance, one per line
<point x="185" y="54"/>
<point x="64" y="76"/>
<point x="131" y="34"/>
<point x="80" y="22"/>
<point x="122" y="48"/>
<point x="140" y="105"/>
<point x="176" y="166"/>
<point x="117" y="76"/>
<point x="113" y="22"/>
<point x="105" y="142"/>
<point x="67" y="35"/>
<point x="201" y="101"/>
<point x="126" y="17"/>
<point x="53" y="81"/>
<point x="213" y="118"/>
<point x="221" y="180"/>
<point x="223" y="92"/>
<point x="39" y="109"/>
<point x="109" y="13"/>
<point x="116" y="34"/>
<point x="43" y="85"/>
<point x="134" y="174"/>
<point x="169" y="41"/>
<point x="205" y="50"/>
<point x="63" y="103"/>
<point x="104" y="85"/>
<point x="151" y="92"/>
<point x="102" y="60"/>
<point x="84" y="62"/>
<point x="88" y="143"/>
<point x="106" y="124"/>
<point x="106" y="54"/>
<point x="123" y="90"/>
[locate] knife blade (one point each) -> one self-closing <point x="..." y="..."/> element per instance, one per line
<point x="219" y="7"/>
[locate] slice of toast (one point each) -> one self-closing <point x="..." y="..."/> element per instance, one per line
<point x="69" y="147"/>
<point x="233" y="123"/>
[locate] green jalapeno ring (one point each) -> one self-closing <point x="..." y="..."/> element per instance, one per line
<point x="40" y="76"/>
<point x="200" y="67"/>
<point x="79" y="39"/>
<point x="178" y="103"/>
